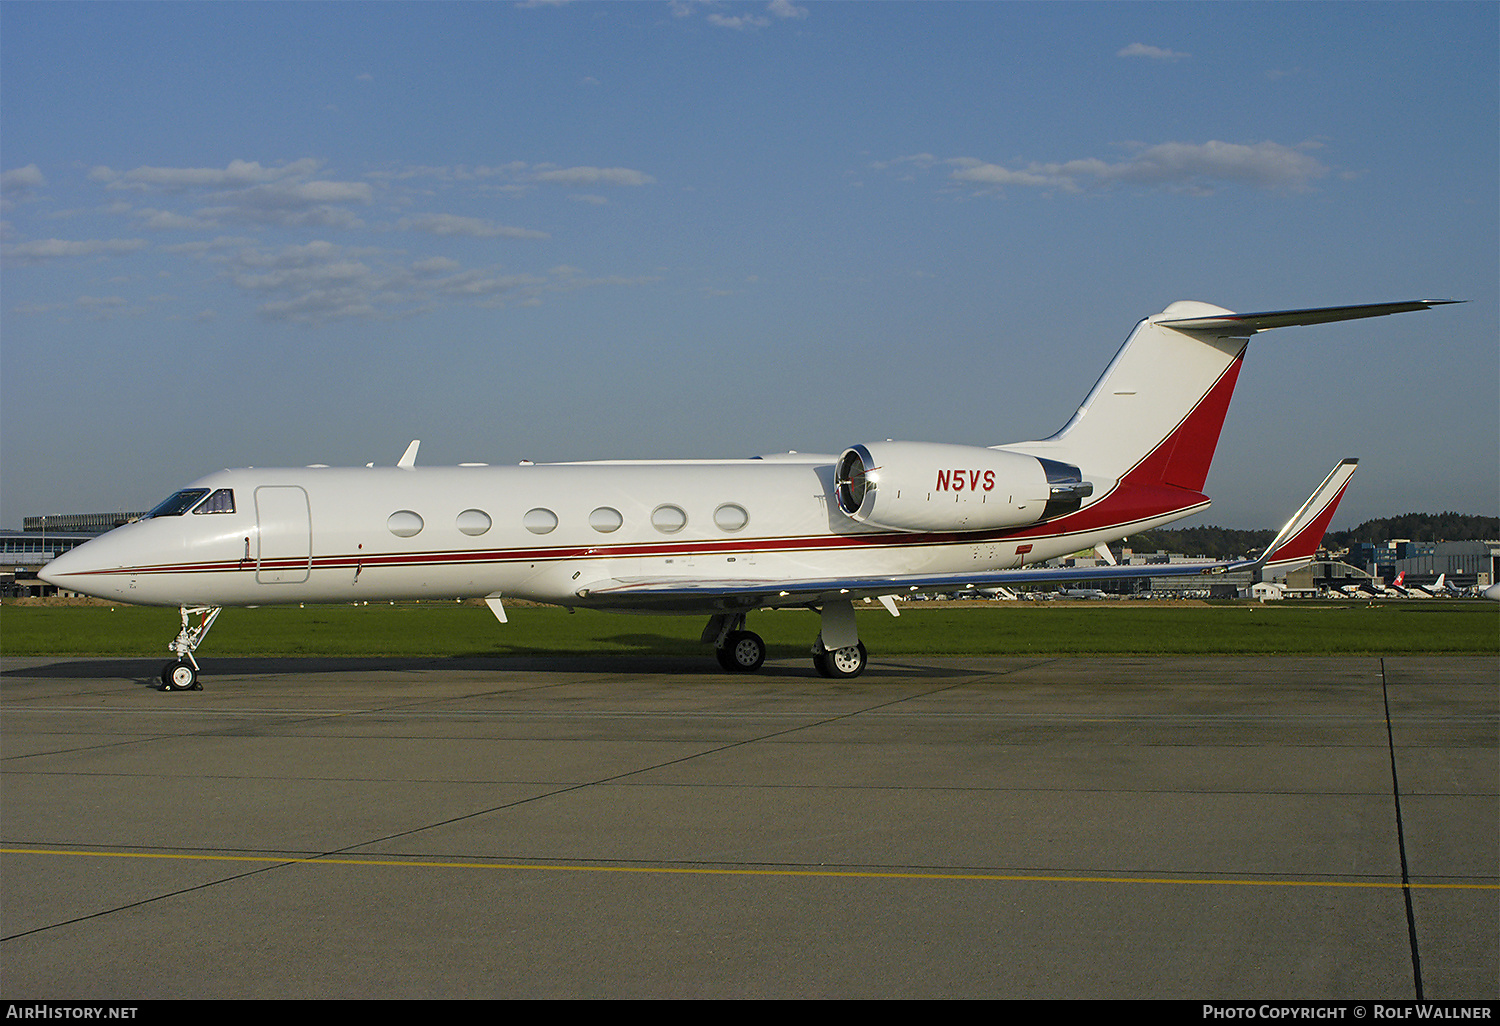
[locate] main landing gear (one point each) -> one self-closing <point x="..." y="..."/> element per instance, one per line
<point x="181" y="674"/>
<point x="837" y="652"/>
<point x="848" y="661"/>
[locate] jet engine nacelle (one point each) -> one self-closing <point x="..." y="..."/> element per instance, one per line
<point x="926" y="486"/>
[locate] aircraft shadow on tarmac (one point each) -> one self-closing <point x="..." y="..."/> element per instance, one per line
<point x="145" y="671"/>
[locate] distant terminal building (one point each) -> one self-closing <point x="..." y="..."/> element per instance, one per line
<point x="1466" y="563"/>
<point x="1325" y="576"/>
<point x="79" y="523"/>
<point x="1218" y="586"/>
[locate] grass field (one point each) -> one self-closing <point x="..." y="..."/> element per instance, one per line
<point x="978" y="628"/>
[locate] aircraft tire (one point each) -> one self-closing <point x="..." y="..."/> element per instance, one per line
<point x="742" y="652"/>
<point x="180" y="675"/>
<point x="842" y="663"/>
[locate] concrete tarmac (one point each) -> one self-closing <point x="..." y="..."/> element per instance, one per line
<point x="1202" y="828"/>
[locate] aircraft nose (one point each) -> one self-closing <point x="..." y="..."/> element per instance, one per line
<point x="78" y="570"/>
<point x="62" y="570"/>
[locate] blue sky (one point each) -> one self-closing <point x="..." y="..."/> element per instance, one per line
<point x="282" y="234"/>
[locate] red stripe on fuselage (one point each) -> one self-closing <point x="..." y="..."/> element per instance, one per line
<point x="1121" y="509"/>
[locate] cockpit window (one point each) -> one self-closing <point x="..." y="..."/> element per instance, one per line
<point x="178" y="504"/>
<point x="221" y="501"/>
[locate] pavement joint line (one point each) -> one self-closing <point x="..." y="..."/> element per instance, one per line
<point x="712" y="871"/>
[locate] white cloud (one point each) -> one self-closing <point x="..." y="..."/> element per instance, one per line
<point x="470" y="227"/>
<point x="246" y="192"/>
<point x="519" y="174"/>
<point x="19" y="185"/>
<point x="738" y="22"/>
<point x="238" y="173"/>
<point x="310" y="275"/>
<point x="321" y="282"/>
<point x="1265" y="165"/>
<point x="1155" y="53"/>
<point x="779" y="9"/>
<point x="995" y="176"/>
<point x="22" y="179"/>
<point x="293" y="204"/>
<point x="1196" y="168"/>
<point x="167" y="220"/>
<point x="591" y="176"/>
<point x="25" y="253"/>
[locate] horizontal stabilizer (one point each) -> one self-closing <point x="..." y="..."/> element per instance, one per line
<point x="1240" y="325"/>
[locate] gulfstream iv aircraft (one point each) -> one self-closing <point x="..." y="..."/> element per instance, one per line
<point x="722" y="538"/>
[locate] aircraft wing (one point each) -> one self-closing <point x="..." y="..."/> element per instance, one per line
<point x="1295" y="544"/>
<point x="694" y="594"/>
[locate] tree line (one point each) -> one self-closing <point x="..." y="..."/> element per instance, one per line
<point x="1227" y="543"/>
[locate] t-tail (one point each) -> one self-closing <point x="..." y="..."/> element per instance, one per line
<point x="1151" y="423"/>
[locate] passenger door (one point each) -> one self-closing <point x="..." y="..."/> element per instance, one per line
<point x="285" y="529"/>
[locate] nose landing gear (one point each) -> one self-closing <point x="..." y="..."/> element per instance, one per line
<point x="181" y="674"/>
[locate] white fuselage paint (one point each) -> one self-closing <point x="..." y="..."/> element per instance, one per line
<point x="343" y="549"/>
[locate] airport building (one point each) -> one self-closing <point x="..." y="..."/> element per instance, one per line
<point x="1325" y="575"/>
<point x="1466" y="564"/>
<point x="78" y="523"/>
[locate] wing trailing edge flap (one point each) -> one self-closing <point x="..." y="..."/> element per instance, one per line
<point x="1295" y="544"/>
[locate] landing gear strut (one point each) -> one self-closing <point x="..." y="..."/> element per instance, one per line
<point x="181" y="674"/>
<point x="836" y="653"/>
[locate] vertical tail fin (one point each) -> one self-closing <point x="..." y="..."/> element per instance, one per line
<point x="1157" y="410"/>
<point x="1155" y="415"/>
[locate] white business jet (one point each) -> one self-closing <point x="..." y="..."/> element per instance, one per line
<point x="722" y="537"/>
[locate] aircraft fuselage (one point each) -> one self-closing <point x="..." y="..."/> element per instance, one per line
<point x="545" y="532"/>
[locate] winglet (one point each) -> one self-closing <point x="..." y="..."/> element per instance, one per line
<point x="409" y="458"/>
<point x="1299" y="540"/>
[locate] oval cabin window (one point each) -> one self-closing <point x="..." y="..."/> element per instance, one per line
<point x="668" y="519"/>
<point x="604" y="520"/>
<point x="404" y="523"/>
<point x="731" y="517"/>
<point x="474" y="522"/>
<point x="540" y="521"/>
